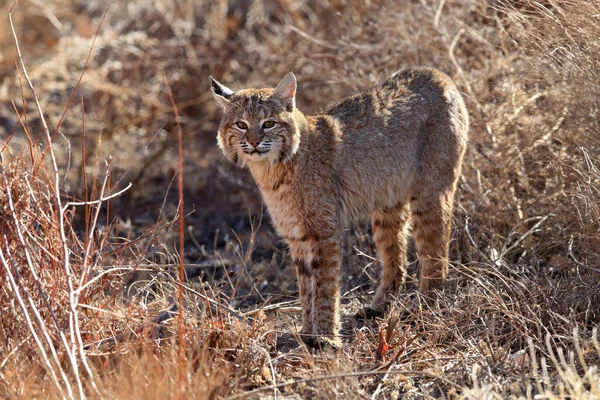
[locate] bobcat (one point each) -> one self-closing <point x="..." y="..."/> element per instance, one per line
<point x="393" y="152"/>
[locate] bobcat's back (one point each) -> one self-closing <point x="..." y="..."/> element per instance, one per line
<point x="410" y="128"/>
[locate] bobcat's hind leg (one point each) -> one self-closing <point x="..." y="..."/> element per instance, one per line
<point x="432" y="218"/>
<point x="389" y="233"/>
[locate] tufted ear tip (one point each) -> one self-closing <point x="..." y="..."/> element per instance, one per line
<point x="221" y="92"/>
<point x="286" y="90"/>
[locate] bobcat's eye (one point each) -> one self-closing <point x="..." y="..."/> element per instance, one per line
<point x="241" y="125"/>
<point x="268" y="124"/>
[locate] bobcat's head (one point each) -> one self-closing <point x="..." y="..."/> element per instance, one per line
<point x="258" y="124"/>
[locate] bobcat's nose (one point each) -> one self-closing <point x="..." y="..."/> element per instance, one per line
<point x="254" y="142"/>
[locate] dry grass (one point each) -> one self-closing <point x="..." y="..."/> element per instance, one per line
<point x="89" y="292"/>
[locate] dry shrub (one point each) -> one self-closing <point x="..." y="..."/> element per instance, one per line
<point x="126" y="339"/>
<point x="561" y="48"/>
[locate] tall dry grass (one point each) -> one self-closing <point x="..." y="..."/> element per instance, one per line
<point x="90" y="300"/>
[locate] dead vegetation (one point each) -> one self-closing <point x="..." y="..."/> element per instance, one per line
<point x="89" y="293"/>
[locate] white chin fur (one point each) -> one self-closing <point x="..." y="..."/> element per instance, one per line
<point x="256" y="157"/>
<point x="272" y="156"/>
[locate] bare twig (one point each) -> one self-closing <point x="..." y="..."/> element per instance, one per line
<point x="523" y="237"/>
<point x="181" y="231"/>
<point x="99" y="201"/>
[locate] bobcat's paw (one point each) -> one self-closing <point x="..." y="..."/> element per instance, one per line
<point x="368" y="312"/>
<point x="322" y="342"/>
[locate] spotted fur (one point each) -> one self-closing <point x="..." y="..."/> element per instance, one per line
<point x="393" y="153"/>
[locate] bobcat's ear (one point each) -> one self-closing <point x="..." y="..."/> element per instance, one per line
<point x="286" y="90"/>
<point x="221" y="93"/>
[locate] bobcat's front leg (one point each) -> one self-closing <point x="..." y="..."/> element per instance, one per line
<point x="318" y="265"/>
<point x="305" y="292"/>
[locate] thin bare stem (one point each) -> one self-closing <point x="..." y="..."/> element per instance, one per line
<point x="99" y="201"/>
<point x="181" y="232"/>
